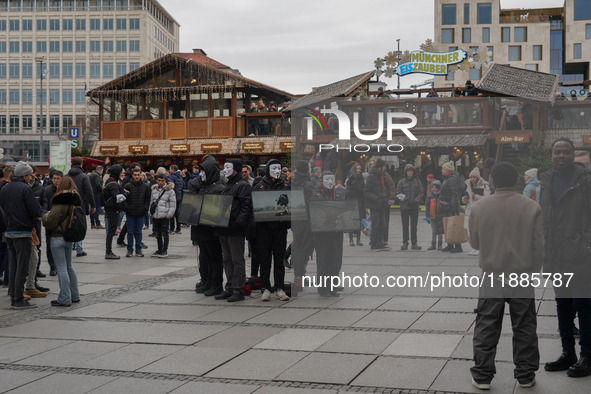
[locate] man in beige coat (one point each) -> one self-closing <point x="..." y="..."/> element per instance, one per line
<point x="507" y="230"/>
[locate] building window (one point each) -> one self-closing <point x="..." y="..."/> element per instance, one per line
<point x="520" y="34"/>
<point x="68" y="24"/>
<point x="14" y="96"/>
<point x="95" y="24"/>
<point x="14" y="25"/>
<point x="41" y="24"/>
<point x="532" y="67"/>
<point x="134" y="23"/>
<point x="121" y="24"/>
<point x="67" y="70"/>
<point x="486" y="34"/>
<point x="134" y="46"/>
<point x="67" y="96"/>
<point x="514" y="52"/>
<point x="576" y="51"/>
<point x="506" y="34"/>
<point x="27" y="70"/>
<point x="492" y="52"/>
<point x="107" y="70"/>
<point x="54" y="24"/>
<point x="67" y="46"/>
<point x="80" y="24"/>
<point x="121" y="69"/>
<point x="134" y="66"/>
<point x="448" y="14"/>
<point x="28" y="25"/>
<point x="3" y="96"/>
<point x="122" y="46"/>
<point x="14" y="124"/>
<point x="2" y="25"/>
<point x="41" y="46"/>
<point x="54" y="70"/>
<point x="447" y="36"/>
<point x="28" y="122"/>
<point x="107" y="24"/>
<point x="27" y="96"/>
<point x="2" y="46"/>
<point x="582" y="10"/>
<point x="54" y="46"/>
<point x="54" y="124"/>
<point x="80" y="46"/>
<point x="95" y="46"/>
<point x="537" y="52"/>
<point x="80" y="70"/>
<point x="466" y="14"/>
<point x="95" y="70"/>
<point x="54" y="96"/>
<point x="80" y="96"/>
<point x="42" y="97"/>
<point x="15" y="46"/>
<point x="107" y="46"/>
<point x="466" y="35"/>
<point x="2" y="124"/>
<point x="14" y="70"/>
<point x="484" y="12"/>
<point x="27" y="46"/>
<point x="67" y="120"/>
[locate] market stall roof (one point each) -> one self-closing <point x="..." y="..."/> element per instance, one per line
<point x="507" y="81"/>
<point x="423" y="141"/>
<point x="337" y="89"/>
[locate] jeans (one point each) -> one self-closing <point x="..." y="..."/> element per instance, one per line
<point x="134" y="225"/>
<point x="565" y="308"/>
<point x="111" y="219"/>
<point x="161" y="229"/>
<point x="234" y="264"/>
<point x="434" y="236"/>
<point x="62" y="252"/>
<point x="378" y="223"/>
<point x="147" y="219"/>
<point x="79" y="248"/>
<point x="411" y="215"/>
<point x="122" y="234"/>
<point x="48" y="250"/>
<point x="95" y="217"/>
<point x="33" y="260"/>
<point x="19" y="253"/>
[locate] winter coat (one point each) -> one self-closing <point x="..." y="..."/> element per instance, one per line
<point x="83" y="185"/>
<point x="167" y="204"/>
<point x="375" y="192"/>
<point x="532" y="189"/>
<point x="56" y="220"/>
<point x="20" y="206"/>
<point x="301" y="181"/>
<point x="431" y="108"/>
<point x="412" y="189"/>
<point x="241" y="206"/>
<point x="179" y="184"/>
<point x="429" y="190"/>
<point x="138" y="201"/>
<point x="469" y="201"/>
<point x="354" y="185"/>
<point x="96" y="183"/>
<point x="330" y="163"/>
<point x="49" y="193"/>
<point x="432" y="208"/>
<point x="449" y="197"/>
<point x="110" y="192"/>
<point x="256" y="181"/>
<point x="567" y="226"/>
<point x="315" y="180"/>
<point x="471" y="91"/>
<point x="127" y="178"/>
<point x="390" y="186"/>
<point x="39" y="193"/>
<point x="212" y="185"/>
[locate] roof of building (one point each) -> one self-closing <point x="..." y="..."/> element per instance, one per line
<point x="199" y="56"/>
<point x="423" y="141"/>
<point x="502" y="80"/>
<point x="337" y="89"/>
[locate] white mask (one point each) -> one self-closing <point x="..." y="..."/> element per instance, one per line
<point x="202" y="175"/>
<point x="228" y="170"/>
<point x="328" y="181"/>
<point x="275" y="170"/>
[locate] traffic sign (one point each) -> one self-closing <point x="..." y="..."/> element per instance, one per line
<point x="74" y="132"/>
<point x="74" y="144"/>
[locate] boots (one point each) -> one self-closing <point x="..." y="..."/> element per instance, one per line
<point x="432" y="247"/>
<point x="439" y="246"/>
<point x="237" y="295"/>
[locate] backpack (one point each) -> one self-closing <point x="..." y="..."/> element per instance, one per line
<point x="75" y="230"/>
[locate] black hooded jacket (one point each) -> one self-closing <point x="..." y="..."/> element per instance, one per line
<point x="138" y="200"/>
<point x="212" y="185"/>
<point x="375" y="191"/>
<point x="301" y="181"/>
<point x="83" y="185"/>
<point x="241" y="205"/>
<point x="267" y="183"/>
<point x="449" y="197"/>
<point x="39" y="192"/>
<point x="20" y="206"/>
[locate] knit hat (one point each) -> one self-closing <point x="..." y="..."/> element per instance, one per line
<point x="22" y="169"/>
<point x="489" y="163"/>
<point x="475" y="172"/>
<point x="532" y="173"/>
<point x="380" y="163"/>
<point x="302" y="166"/>
<point x="316" y="169"/>
<point x="430" y="176"/>
<point x="236" y="163"/>
<point x="115" y="171"/>
<point x="468" y="82"/>
<point x="449" y="166"/>
<point x="436" y="184"/>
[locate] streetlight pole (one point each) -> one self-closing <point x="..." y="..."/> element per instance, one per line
<point x="41" y="74"/>
<point x="398" y="50"/>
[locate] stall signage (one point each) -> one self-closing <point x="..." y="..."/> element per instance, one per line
<point x="587" y="139"/>
<point x="109" y="150"/>
<point x="211" y="147"/>
<point x="432" y="63"/>
<point x="138" y="148"/>
<point x="180" y="147"/>
<point x="512" y="138"/>
<point x="253" y="145"/>
<point x="285" y="145"/>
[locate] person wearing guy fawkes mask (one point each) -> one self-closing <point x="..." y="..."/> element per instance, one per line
<point x="232" y="238"/>
<point x="272" y="238"/>
<point x="329" y="246"/>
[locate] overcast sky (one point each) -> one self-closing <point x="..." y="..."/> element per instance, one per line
<point x="301" y="44"/>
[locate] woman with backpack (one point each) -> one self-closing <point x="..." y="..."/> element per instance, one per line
<point x="56" y="222"/>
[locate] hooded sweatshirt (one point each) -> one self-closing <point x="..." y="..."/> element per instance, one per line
<point x="532" y="189"/>
<point x="411" y="188"/>
<point x="212" y="185"/>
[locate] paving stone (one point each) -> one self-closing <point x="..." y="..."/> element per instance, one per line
<point x="425" y="345"/>
<point x="233" y="314"/>
<point x="398" y="320"/>
<point x="181" y="297"/>
<point x="97" y="310"/>
<point x="217" y="388"/>
<point x="157" y="271"/>
<point x="555" y="382"/>
<point x="143" y="296"/>
<point x="87" y="289"/>
<point x="10" y="379"/>
<point x="444" y="322"/>
<point x="363" y="342"/>
<point x="182" y="284"/>
<point x="64" y="384"/>
<point x="243" y="337"/>
<point x="456" y="377"/>
<point x="400" y="373"/>
<point x="419" y="304"/>
<point x="360" y="302"/>
<point x="283" y="316"/>
<point x="455" y="305"/>
<point x="21" y="349"/>
<point x="309" y="299"/>
<point x="72" y="354"/>
<point x="330" y="318"/>
<point x="138" y="386"/>
<point x="297" y="339"/>
<point x="164" y="312"/>
<point x="131" y="357"/>
<point x="327" y="368"/>
<point x="248" y="365"/>
<point x="192" y="360"/>
<point x="124" y="279"/>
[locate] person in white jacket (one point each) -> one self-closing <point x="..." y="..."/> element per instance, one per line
<point x="164" y="198"/>
<point x="477" y="189"/>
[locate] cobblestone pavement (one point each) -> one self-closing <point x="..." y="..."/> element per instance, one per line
<point x="141" y="328"/>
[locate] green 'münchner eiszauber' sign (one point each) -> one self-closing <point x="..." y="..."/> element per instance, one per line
<point x="430" y="62"/>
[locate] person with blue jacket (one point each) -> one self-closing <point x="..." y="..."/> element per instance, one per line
<point x="179" y="185"/>
<point x="532" y="185"/>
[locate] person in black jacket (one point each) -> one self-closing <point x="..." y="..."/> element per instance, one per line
<point x="233" y="237"/>
<point x="376" y="199"/>
<point x="272" y="238"/>
<point x="410" y="186"/>
<point x="112" y="198"/>
<point x="449" y="199"/>
<point x="86" y="195"/>
<point x="96" y="183"/>
<point x="39" y="192"/>
<point x="50" y="189"/>
<point x="354" y="185"/>
<point x="138" y="203"/>
<point x="126" y="179"/>
<point x="303" y="243"/>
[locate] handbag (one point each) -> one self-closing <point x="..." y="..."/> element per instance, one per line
<point x="154" y="205"/>
<point x="453" y="227"/>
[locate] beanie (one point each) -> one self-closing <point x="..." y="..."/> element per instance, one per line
<point x="436" y="184"/>
<point x="380" y="163"/>
<point x="449" y="166"/>
<point x="489" y="163"/>
<point x="115" y="171"/>
<point x="430" y="176"/>
<point x="316" y="169"/>
<point x="237" y="164"/>
<point x="22" y="169"/>
<point x="532" y="173"/>
<point x="302" y="166"/>
<point x="475" y="172"/>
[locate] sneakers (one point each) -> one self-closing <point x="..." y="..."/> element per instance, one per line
<point x="23" y="305"/>
<point x="474" y="252"/>
<point x="82" y="254"/>
<point x="144" y="246"/>
<point x="146" y="228"/>
<point x="99" y="227"/>
<point x="122" y="245"/>
<point x="359" y="243"/>
<point x="366" y="232"/>
<point x="416" y="247"/>
<point x="456" y="250"/>
<point x="156" y="254"/>
<point x="163" y="254"/>
<point x="432" y="247"/>
<point x="404" y="247"/>
<point x="152" y="235"/>
<point x="280" y="295"/>
<point x="40" y="274"/>
<point x="224" y="296"/>
<point x="213" y="291"/>
<point x="481" y="386"/>
<point x="129" y="253"/>
<point x="351" y="243"/>
<point x="41" y="288"/>
<point x="448" y="248"/>
<point x="236" y="296"/>
<point x="266" y="295"/>
<point x="34" y="293"/>
<point x="111" y="256"/>
<point x="57" y="303"/>
<point x="52" y="272"/>
<point x="139" y="253"/>
<point x="529" y="384"/>
<point x="439" y="247"/>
